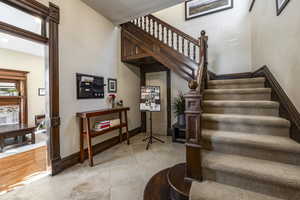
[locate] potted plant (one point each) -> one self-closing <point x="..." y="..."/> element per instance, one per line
<point x="179" y="109"/>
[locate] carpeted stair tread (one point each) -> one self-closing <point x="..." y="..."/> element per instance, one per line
<point x="276" y="173"/>
<point x="237" y="81"/>
<point x="209" y="190"/>
<point x="248" y="119"/>
<point x="255" y="141"/>
<point x="238" y="91"/>
<point x="248" y="104"/>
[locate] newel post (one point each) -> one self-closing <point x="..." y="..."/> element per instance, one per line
<point x="193" y="133"/>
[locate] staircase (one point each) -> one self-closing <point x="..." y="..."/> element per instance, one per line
<point x="237" y="145"/>
<point x="248" y="152"/>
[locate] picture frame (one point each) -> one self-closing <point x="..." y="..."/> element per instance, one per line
<point x="280" y="6"/>
<point x="252" y="5"/>
<point x="112" y="86"/>
<point x="42" y="92"/>
<point x="199" y="8"/>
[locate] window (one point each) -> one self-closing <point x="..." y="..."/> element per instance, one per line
<point x="18" y="18"/>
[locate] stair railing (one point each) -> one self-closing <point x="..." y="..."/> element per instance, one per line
<point x="171" y="36"/>
<point x="193" y="113"/>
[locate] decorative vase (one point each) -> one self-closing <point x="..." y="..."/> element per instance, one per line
<point x="181" y="119"/>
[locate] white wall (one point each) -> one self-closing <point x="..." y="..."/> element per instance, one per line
<point x="275" y="43"/>
<point x="228" y="32"/>
<point x="89" y="43"/>
<point x="35" y="65"/>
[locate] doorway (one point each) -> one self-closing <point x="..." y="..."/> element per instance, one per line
<point x="33" y="22"/>
<point x="160" y="125"/>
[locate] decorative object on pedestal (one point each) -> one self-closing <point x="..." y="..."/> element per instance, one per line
<point x="198" y="8"/>
<point x="179" y="109"/>
<point x="112" y="100"/>
<point x="280" y="5"/>
<point x="112" y="85"/>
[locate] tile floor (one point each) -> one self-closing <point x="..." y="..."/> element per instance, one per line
<point x="120" y="173"/>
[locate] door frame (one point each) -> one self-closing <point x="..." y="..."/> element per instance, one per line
<point x="50" y="15"/>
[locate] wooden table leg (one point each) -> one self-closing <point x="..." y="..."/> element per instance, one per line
<point x="89" y="142"/>
<point x="121" y="129"/>
<point x="1" y="144"/>
<point x="127" y="132"/>
<point x="81" y="142"/>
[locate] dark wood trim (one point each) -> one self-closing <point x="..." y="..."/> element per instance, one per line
<point x="287" y="109"/>
<point x="74" y="159"/>
<point x="54" y="147"/>
<point x="30" y="6"/>
<point x="13" y="30"/>
<point x="169" y="104"/>
<point x="143" y="114"/>
<point x="52" y="15"/>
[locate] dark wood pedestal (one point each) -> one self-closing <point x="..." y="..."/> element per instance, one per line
<point x="168" y="184"/>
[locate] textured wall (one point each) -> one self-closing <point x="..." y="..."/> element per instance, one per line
<point x="228" y="31"/>
<point x="275" y="42"/>
<point x="89" y="43"/>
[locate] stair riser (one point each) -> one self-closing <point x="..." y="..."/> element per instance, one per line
<point x="252" y="151"/>
<point x="252" y="184"/>
<point x="239" y="97"/>
<point x="237" y="86"/>
<point x="246" y="128"/>
<point x="242" y="110"/>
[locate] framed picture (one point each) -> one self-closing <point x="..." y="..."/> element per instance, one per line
<point x="112" y="85"/>
<point x="251" y="5"/>
<point x="198" y="8"/>
<point x="42" y="92"/>
<point x="280" y="5"/>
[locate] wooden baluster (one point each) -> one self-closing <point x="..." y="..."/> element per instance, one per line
<point x="194" y="52"/>
<point x="157" y="30"/>
<point x="177" y="38"/>
<point x="145" y="25"/>
<point x="172" y="38"/>
<point x="153" y="28"/>
<point x="149" y="25"/>
<point x="162" y="33"/>
<point x="182" y="46"/>
<point x="167" y="36"/>
<point x="140" y="22"/>
<point x="189" y="48"/>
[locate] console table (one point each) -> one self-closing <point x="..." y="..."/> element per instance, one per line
<point x="86" y="131"/>
<point x="15" y="130"/>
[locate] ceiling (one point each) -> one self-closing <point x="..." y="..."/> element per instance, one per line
<point x="120" y="11"/>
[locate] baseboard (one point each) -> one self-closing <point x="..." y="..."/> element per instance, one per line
<point x="73" y="159"/>
<point x="287" y="109"/>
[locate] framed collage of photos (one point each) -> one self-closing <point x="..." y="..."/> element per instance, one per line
<point x="150" y="99"/>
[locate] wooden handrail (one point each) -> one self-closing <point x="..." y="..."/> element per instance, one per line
<point x="170" y="36"/>
<point x="175" y="30"/>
